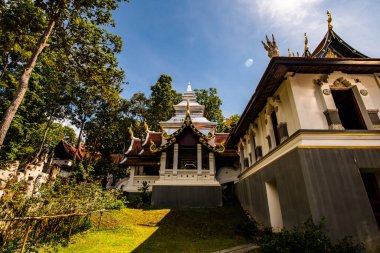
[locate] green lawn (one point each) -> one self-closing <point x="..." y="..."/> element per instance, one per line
<point x="163" y="230"/>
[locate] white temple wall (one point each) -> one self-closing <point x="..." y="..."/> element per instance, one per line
<point x="288" y="108"/>
<point x="308" y="101"/>
<point x="311" y="103"/>
<point x="371" y="84"/>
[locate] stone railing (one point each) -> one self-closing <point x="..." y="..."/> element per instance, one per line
<point x="138" y="180"/>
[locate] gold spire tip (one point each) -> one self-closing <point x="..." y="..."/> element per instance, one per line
<point x="329" y="20"/>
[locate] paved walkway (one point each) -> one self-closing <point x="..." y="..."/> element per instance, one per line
<point x="240" y="249"/>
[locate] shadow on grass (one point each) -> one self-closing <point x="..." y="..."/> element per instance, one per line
<point x="196" y="230"/>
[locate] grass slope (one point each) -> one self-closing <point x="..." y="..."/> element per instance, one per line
<point x="163" y="230"/>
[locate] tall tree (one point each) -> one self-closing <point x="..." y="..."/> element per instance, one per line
<point x="72" y="28"/>
<point x="161" y="101"/>
<point x="229" y="123"/>
<point x="212" y="102"/>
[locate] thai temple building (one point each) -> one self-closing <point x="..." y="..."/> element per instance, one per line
<point x="309" y="141"/>
<point x="180" y="162"/>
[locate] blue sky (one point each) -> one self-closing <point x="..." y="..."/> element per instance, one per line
<point x="207" y="42"/>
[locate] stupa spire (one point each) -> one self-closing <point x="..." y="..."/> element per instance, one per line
<point x="189" y="87"/>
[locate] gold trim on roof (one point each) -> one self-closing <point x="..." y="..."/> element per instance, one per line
<point x="152" y="147"/>
<point x="165" y="135"/>
<point x="188" y="107"/>
<point x="131" y="132"/>
<point x="146" y="127"/>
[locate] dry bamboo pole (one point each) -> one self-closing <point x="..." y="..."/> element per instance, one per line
<point x="25" y="239"/>
<point x="70" y="228"/>
<point x="100" y="219"/>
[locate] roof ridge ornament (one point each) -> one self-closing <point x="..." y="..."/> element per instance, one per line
<point x="146" y="127"/>
<point x="329" y="20"/>
<point x="271" y="47"/>
<point x="306" y="50"/>
<point x="131" y="132"/>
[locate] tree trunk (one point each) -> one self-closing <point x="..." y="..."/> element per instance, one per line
<point x="78" y="142"/>
<point x="44" y="138"/>
<point x="23" y="83"/>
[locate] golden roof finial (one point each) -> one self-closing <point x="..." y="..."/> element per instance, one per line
<point x="306" y="50"/>
<point x="329" y="21"/>
<point x="131" y="132"/>
<point x="188" y="107"/>
<point x="146" y="127"/>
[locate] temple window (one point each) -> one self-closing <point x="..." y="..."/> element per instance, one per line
<point x="241" y="157"/>
<point x="274" y="121"/>
<point x="348" y="109"/>
<point x="253" y="146"/>
<point x="187" y="157"/>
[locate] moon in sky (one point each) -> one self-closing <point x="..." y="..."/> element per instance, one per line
<point x="248" y="63"/>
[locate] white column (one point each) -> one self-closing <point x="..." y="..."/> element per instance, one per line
<point x="212" y="163"/>
<point x="131" y="176"/>
<point x="175" y="160"/>
<point x="199" y="159"/>
<point x="162" y="163"/>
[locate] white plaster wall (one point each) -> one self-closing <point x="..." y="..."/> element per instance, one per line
<point x="308" y="101"/>
<point x="288" y="109"/>
<point x="370" y="83"/>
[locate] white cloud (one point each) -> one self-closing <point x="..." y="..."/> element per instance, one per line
<point x="286" y="12"/>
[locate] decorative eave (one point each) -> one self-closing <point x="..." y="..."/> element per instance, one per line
<point x="135" y="147"/>
<point x="156" y="137"/>
<point x="171" y="139"/>
<point x="332" y="46"/>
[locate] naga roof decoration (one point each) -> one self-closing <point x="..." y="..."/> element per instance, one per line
<point x="332" y="46"/>
<point x="203" y="139"/>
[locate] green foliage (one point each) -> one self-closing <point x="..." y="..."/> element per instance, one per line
<point x="27" y="141"/>
<point x="161" y="102"/>
<point x="212" y="102"/>
<point x="104" y="166"/>
<point x="229" y="123"/>
<point x="308" y="237"/>
<point x="141" y="200"/>
<point x="73" y="76"/>
<point x="55" y="198"/>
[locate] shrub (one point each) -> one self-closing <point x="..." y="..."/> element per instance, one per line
<point x="62" y="197"/>
<point x="308" y="237"/>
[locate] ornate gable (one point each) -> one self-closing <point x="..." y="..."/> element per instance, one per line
<point x="332" y="46"/>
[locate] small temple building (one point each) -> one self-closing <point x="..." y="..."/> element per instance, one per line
<point x="309" y="141"/>
<point x="179" y="162"/>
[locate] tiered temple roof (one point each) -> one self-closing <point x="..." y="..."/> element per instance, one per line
<point x="188" y="119"/>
